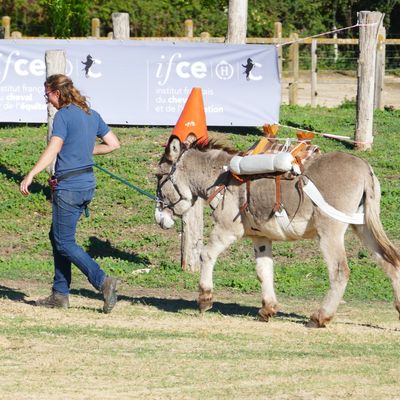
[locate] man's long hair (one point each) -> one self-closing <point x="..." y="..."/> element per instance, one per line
<point x="69" y="94"/>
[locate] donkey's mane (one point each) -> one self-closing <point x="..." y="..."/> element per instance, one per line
<point x="213" y="144"/>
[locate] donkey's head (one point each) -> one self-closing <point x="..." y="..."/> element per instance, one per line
<point x="173" y="191"/>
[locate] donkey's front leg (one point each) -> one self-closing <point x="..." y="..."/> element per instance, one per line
<point x="220" y="239"/>
<point x="265" y="274"/>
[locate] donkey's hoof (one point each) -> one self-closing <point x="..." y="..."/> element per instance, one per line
<point x="263" y="315"/>
<point x="266" y="312"/>
<point x="205" y="306"/>
<point x="205" y="300"/>
<point x="314" y="322"/>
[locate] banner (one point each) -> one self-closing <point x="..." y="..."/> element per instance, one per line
<point x="144" y="82"/>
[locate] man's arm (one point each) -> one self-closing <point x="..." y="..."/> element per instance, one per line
<point x="109" y="143"/>
<point x="47" y="157"/>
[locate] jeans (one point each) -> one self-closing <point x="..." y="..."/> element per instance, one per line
<point x="67" y="209"/>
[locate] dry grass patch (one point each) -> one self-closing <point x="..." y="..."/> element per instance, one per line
<point x="165" y="350"/>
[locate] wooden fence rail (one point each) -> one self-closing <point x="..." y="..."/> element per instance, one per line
<point x="293" y="59"/>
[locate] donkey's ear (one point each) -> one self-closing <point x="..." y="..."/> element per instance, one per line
<point x="173" y="149"/>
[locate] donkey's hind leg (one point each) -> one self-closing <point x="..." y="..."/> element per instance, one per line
<point x="391" y="270"/>
<point x="220" y="239"/>
<point x="265" y="274"/>
<point x="333" y="250"/>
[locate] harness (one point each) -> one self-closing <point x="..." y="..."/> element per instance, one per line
<point x="268" y="145"/>
<point x="299" y="153"/>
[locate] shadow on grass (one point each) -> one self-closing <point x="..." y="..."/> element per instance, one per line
<point x="103" y="248"/>
<point x="12" y="294"/>
<point x="177" y="305"/>
<point x="228" y="309"/>
<point x="17" y="177"/>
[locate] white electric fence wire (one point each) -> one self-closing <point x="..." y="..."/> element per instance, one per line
<point x="325" y="33"/>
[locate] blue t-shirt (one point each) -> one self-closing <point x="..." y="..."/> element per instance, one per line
<point x="78" y="130"/>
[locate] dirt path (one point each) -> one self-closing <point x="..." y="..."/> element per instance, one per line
<point x="334" y="88"/>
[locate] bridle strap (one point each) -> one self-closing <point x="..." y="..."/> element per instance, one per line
<point x="169" y="179"/>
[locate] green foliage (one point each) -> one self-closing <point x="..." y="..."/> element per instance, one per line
<point x="80" y="19"/>
<point x="59" y="17"/>
<point x="165" y="17"/>
<point x="65" y="18"/>
<point x="68" y="18"/>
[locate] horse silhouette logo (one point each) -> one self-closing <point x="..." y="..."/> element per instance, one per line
<point x="88" y="63"/>
<point x="248" y="67"/>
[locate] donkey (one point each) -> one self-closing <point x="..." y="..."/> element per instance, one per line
<point x="346" y="182"/>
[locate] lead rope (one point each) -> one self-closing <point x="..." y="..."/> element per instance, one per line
<point x="125" y="182"/>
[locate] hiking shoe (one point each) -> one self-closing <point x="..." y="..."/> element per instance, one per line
<point x="109" y="290"/>
<point x="55" y="300"/>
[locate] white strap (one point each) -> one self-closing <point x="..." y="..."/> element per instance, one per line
<point x="284" y="223"/>
<point x="313" y="193"/>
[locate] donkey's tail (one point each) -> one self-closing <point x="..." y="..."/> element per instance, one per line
<point x="383" y="247"/>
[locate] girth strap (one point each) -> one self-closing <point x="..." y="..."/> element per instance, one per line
<point x="245" y="206"/>
<point x="278" y="203"/>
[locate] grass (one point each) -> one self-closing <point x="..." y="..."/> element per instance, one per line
<point x="122" y="236"/>
<point x="154" y="345"/>
<point x="159" y="348"/>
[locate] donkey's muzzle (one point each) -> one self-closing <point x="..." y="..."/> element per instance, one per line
<point x="163" y="217"/>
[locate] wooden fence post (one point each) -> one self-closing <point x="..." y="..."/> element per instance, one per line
<point x="16" y="35"/>
<point x="278" y="35"/>
<point x="237" y="22"/>
<point x="314" y="92"/>
<point x="205" y="36"/>
<point x="95" y="27"/>
<point x="293" y="68"/>
<point x="380" y="70"/>
<point x="55" y="64"/>
<point x="6" y="22"/>
<point x="120" y="25"/>
<point x="188" y="28"/>
<point x="369" y="26"/>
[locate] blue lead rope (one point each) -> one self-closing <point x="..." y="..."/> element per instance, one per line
<point x="149" y="195"/>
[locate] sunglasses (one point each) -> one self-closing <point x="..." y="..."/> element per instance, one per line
<point x="46" y="95"/>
